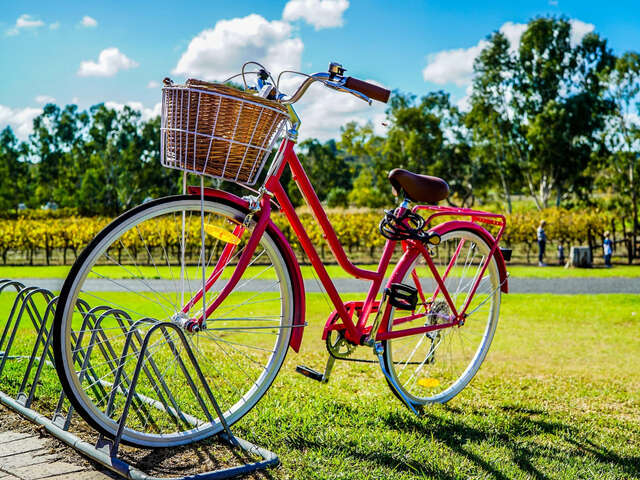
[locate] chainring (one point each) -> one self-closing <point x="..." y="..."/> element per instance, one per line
<point x="338" y="346"/>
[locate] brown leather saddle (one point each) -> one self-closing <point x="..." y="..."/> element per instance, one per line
<point x="418" y="188"/>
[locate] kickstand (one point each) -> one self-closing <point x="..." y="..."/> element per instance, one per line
<point x="379" y="351"/>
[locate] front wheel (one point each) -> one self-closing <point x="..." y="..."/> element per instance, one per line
<point x="142" y="269"/>
<point x="434" y="367"/>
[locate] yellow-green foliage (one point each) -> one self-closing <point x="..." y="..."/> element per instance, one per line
<point x="357" y="229"/>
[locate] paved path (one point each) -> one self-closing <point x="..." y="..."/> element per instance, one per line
<point x="24" y="456"/>
<point x="516" y="285"/>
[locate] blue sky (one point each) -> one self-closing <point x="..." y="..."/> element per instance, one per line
<point x="92" y="52"/>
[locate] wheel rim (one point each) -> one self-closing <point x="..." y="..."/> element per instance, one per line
<point x="436" y="366"/>
<point x="239" y="353"/>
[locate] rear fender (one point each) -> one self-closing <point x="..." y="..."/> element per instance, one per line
<point x="481" y="231"/>
<point x="287" y="252"/>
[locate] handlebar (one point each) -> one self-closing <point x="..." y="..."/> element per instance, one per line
<point x="359" y="88"/>
<point x="369" y="89"/>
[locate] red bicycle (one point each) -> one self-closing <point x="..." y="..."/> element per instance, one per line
<point x="216" y="265"/>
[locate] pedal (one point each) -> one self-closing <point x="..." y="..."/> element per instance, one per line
<point x="310" y="372"/>
<point x="403" y="297"/>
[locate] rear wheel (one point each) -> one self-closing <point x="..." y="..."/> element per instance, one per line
<point x="141" y="270"/>
<point x="435" y="366"/>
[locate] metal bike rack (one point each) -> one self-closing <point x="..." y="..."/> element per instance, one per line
<point x="105" y="451"/>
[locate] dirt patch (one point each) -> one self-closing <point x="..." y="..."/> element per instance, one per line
<point x="204" y="456"/>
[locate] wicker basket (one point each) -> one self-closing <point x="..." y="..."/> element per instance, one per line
<point x="216" y="130"/>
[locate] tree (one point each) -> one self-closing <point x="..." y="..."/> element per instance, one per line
<point x="324" y="166"/>
<point x="429" y="137"/>
<point x="553" y="111"/>
<point x="365" y="193"/>
<point x="623" y="133"/>
<point x="560" y="94"/>
<point x="57" y="138"/>
<point x="489" y="118"/>
<point x="14" y="173"/>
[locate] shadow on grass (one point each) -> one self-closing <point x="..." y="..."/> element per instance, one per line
<point x="455" y="433"/>
<point x="378" y="457"/>
<point x="630" y="465"/>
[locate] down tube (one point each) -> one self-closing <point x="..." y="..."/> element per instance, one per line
<point x="273" y="185"/>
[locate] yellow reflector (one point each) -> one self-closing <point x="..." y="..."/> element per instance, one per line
<point x="221" y="234"/>
<point x="429" y="382"/>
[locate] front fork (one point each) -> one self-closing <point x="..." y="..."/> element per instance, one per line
<point x="262" y="204"/>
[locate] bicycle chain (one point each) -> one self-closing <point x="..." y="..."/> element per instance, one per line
<point x="332" y="349"/>
<point x="350" y="349"/>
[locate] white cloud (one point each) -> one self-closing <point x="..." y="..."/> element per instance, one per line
<point x="25" y="21"/>
<point x="88" y="22"/>
<point x="219" y="52"/>
<point x="45" y="99"/>
<point x="513" y="32"/>
<point x="464" y="104"/>
<point x="19" y="119"/>
<point x="323" y="111"/>
<point x="452" y="66"/>
<point x="456" y="66"/>
<point x="146" y="112"/>
<point x="153" y="84"/>
<point x="319" y="13"/>
<point x="54" y="26"/>
<point x="110" y="61"/>
<point x="579" y="30"/>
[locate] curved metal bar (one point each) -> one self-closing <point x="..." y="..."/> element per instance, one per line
<point x="107" y="457"/>
<point x="9" y="283"/>
<point x="335" y="82"/>
<point x="27" y="304"/>
<point x="194" y="362"/>
<point x="107" y="351"/>
<point x="21" y="397"/>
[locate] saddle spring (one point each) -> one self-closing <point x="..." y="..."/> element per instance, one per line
<point x="406" y="226"/>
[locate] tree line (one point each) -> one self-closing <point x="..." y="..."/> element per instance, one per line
<point x="549" y="119"/>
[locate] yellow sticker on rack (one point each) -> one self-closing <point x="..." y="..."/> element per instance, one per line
<point x="428" y="382"/>
<point x="221" y="234"/>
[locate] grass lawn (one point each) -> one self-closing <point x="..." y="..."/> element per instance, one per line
<point x="335" y="271"/>
<point x="557" y="397"/>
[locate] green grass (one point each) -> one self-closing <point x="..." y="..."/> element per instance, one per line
<point x="528" y="271"/>
<point x="335" y="271"/>
<point x="558" y="397"/>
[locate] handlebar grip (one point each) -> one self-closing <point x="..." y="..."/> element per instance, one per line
<point x="369" y="89"/>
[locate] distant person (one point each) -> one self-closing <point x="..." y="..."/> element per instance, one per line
<point x="607" y="246"/>
<point x="561" y="255"/>
<point x="542" y="243"/>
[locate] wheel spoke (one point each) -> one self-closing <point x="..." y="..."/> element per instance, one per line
<point x="443" y="361"/>
<point x="156" y="250"/>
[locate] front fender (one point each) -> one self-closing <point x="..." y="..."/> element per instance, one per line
<point x="289" y="258"/>
<point x="484" y="233"/>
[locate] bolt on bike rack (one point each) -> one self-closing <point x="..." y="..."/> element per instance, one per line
<point x="106" y="450"/>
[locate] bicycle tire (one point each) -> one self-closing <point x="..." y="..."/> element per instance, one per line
<point x="438" y="373"/>
<point x="167" y="416"/>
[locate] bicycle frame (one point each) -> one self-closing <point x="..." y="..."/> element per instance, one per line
<point x="355" y="332"/>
